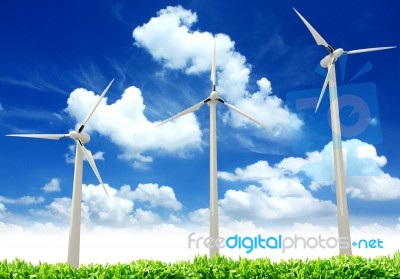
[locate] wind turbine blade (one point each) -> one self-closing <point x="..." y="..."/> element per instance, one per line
<point x="318" y="38"/>
<point x="368" y="49"/>
<point x="244" y="114"/>
<point x="186" y="111"/>
<point x="41" y="136"/>
<point x="213" y="68"/>
<point x="90" y="159"/>
<point x="321" y="95"/>
<point x="95" y="106"/>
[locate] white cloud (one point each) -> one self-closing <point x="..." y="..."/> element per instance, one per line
<point x="174" y="219"/>
<point x="3" y="211"/>
<point x="169" y="243"/>
<point x="57" y="115"/>
<point x="278" y="194"/>
<point x="99" y="155"/>
<point x="155" y="195"/>
<point x="146" y="217"/>
<point x="374" y="121"/>
<point x="52" y="186"/>
<point x="49" y="243"/>
<point x="380" y="187"/>
<point x="201" y="215"/>
<point x="291" y="165"/>
<point x="119" y="208"/>
<point x="170" y="39"/>
<point x="280" y="191"/>
<point x="60" y="209"/>
<point x="125" y="123"/>
<point x="141" y="161"/>
<point x="70" y="156"/>
<point x="97" y="207"/>
<point x="25" y="200"/>
<point x="163" y="36"/>
<point x="366" y="179"/>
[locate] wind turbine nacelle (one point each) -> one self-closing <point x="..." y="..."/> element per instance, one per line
<point x="327" y="59"/>
<point x="214" y="95"/>
<point x="83" y="137"/>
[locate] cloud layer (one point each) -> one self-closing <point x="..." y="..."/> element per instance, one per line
<point x="120" y="208"/>
<point x="275" y="194"/>
<point x="48" y="243"/>
<point x="366" y="179"/>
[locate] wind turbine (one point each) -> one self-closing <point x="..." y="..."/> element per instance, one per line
<point x="329" y="63"/>
<point x="80" y="138"/>
<point x="212" y="100"/>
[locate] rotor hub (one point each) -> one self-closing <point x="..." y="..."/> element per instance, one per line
<point x="83" y="137"/>
<point x="325" y="61"/>
<point x="332" y="56"/>
<point x="214" y="95"/>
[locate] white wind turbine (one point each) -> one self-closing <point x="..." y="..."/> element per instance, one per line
<point x="329" y="62"/>
<point x="212" y="100"/>
<point x="80" y="138"/>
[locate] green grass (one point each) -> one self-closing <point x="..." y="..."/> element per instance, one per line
<point x="217" y="267"/>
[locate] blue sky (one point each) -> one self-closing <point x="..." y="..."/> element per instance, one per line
<point x="55" y="55"/>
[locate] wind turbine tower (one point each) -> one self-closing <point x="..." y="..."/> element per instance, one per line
<point x="340" y="175"/>
<point x="212" y="101"/>
<point x="80" y="139"/>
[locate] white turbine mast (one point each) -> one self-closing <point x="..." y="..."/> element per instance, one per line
<point x="80" y="138"/>
<point x="340" y="175"/>
<point x="212" y="100"/>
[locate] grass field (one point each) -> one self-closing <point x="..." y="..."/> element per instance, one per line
<point x="217" y="267"/>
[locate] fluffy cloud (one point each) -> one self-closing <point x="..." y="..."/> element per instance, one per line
<point x="146" y="217"/>
<point x="278" y="194"/>
<point x="280" y="191"/>
<point x="52" y="186"/>
<point x="59" y="209"/>
<point x="99" y="155"/>
<point x="162" y="196"/>
<point x="25" y="200"/>
<point x="379" y="188"/>
<point x="169" y="243"/>
<point x="117" y="209"/>
<point x="49" y="243"/>
<point x="97" y="207"/>
<point x="170" y="39"/>
<point x="70" y="156"/>
<point x="366" y="179"/>
<point x="3" y="211"/>
<point x="125" y="123"/>
<point x="163" y="36"/>
<point x="201" y="215"/>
